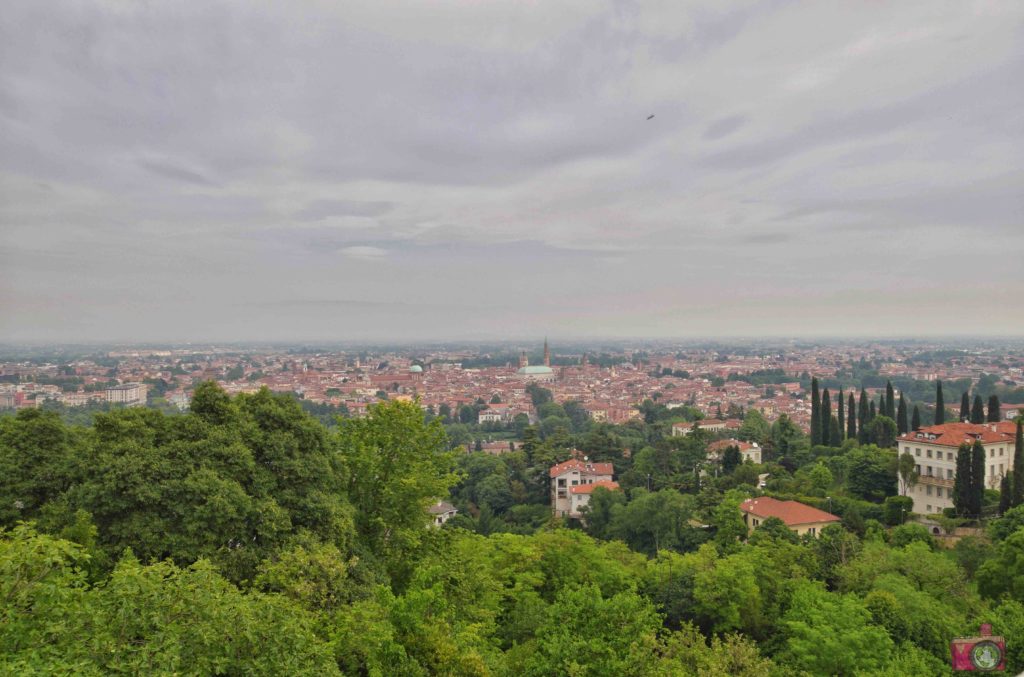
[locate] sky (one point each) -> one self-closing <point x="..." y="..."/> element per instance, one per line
<point x="232" y="171"/>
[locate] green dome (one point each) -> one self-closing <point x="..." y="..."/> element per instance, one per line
<point x="535" y="370"/>
<point x="416" y="369"/>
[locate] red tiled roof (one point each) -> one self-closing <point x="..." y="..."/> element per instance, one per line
<point x="790" y="512"/>
<point x="955" y="434"/>
<point x="583" y="467"/>
<point x="722" y="445"/>
<point x="589" y="488"/>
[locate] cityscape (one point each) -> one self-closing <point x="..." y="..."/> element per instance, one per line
<point x="616" y="338"/>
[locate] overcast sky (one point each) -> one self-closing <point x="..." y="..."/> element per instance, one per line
<point x="402" y="170"/>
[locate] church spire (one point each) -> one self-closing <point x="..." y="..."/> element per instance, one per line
<point x="547" y="353"/>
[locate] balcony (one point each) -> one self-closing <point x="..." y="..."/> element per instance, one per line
<point x="935" y="481"/>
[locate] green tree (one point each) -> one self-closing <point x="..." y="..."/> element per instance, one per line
<point x="908" y="473"/>
<point x="862" y="418"/>
<point x="1018" y="464"/>
<point x="815" y="413"/>
<point x="890" y="401"/>
<point x="825" y="424"/>
<point x="940" y="405"/>
<point x="829" y="634"/>
<point x="1004" y="573"/>
<point x="882" y="431"/>
<point x="841" y="417"/>
<point x="902" y="425"/>
<point x="731" y="458"/>
<point x="915" y="419"/>
<point x="851" y="418"/>
<point x="962" y="484"/>
<point x="755" y="428"/>
<point x="978" y="410"/>
<point x="977" y="478"/>
<point x="993" y="409"/>
<point x="965" y="407"/>
<point x="396" y="466"/>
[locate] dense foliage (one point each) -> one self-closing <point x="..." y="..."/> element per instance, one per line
<point x="246" y="538"/>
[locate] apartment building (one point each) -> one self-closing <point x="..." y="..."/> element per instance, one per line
<point x="935" y="448"/>
<point x="573" y="481"/>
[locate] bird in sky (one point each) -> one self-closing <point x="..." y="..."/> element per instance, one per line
<point x="650" y="116"/>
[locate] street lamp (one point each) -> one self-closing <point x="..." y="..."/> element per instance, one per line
<point x="829" y="499"/>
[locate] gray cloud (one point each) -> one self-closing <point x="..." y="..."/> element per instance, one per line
<point x="164" y="167"/>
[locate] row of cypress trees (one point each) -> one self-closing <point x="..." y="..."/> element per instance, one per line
<point x="828" y="430"/>
<point x="972" y="413"/>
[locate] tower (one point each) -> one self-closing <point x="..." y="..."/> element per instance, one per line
<point x="523" y="360"/>
<point x="547" y="353"/>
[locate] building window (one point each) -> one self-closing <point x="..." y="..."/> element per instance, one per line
<point x="938" y="492"/>
<point x="992" y="471"/>
<point x="917" y="451"/>
<point x="991" y="453"/>
<point x="949" y="474"/>
<point x="929" y="473"/>
<point x="928" y="489"/>
<point x="811" y="531"/>
<point x="917" y="469"/>
<point x="928" y="452"/>
<point x="949" y="455"/>
<point x="929" y="508"/>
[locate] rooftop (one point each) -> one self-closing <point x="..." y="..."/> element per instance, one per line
<point x="791" y="513"/>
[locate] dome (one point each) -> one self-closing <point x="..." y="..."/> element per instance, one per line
<point x="415" y="369"/>
<point x="535" y="370"/>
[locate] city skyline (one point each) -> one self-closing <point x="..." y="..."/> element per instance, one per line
<point x="405" y="172"/>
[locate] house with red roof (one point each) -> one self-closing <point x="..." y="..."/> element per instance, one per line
<point x="799" y="517"/>
<point x="934" y="449"/>
<point x="573" y="481"/>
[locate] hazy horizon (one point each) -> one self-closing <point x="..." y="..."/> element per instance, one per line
<point x="401" y="172"/>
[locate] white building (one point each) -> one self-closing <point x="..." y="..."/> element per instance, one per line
<point x="441" y="512"/>
<point x="935" y="448"/>
<point x="749" y="451"/>
<point x="575" y="473"/>
<point x="128" y="394"/>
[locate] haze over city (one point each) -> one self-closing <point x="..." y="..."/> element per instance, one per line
<point x="387" y="170"/>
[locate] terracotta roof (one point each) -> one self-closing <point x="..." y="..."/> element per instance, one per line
<point x="790" y="512"/>
<point x="440" y="507"/>
<point x="589" y="488"/>
<point x="722" y="445"/>
<point x="955" y="434"/>
<point x="583" y="467"/>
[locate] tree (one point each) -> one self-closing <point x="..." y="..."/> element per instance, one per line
<point x="993" y="409"/>
<point x="754" y="428"/>
<point x="962" y="485"/>
<point x="978" y="410"/>
<point x="815" y="413"/>
<point x="902" y="425"/>
<point x="915" y="419"/>
<point x="731" y="458"/>
<point x="1018" y="465"/>
<point x="851" y="416"/>
<point x="940" y="405"/>
<point x="908" y="473"/>
<point x="882" y="431"/>
<point x="965" y="407"/>
<point x="1006" y="492"/>
<point x="841" y="417"/>
<point x="825" y="412"/>
<point x="871" y="473"/>
<point x="397" y="465"/>
<point x="1004" y="573"/>
<point x="831" y="634"/>
<point x="862" y="418"/>
<point x="890" y="401"/>
<point x="977" y="478"/>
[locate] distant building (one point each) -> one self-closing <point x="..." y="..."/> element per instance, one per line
<point x="575" y="474"/>
<point x="441" y="512"/>
<point x="935" y="448"/>
<point x="801" y="518"/>
<point x="711" y="425"/>
<point x="749" y="451"/>
<point x="128" y="394"/>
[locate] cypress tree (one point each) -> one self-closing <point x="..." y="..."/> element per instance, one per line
<point x="993" y="409"/>
<point x="1006" y="493"/>
<point x="841" y="417"/>
<point x="872" y="412"/>
<point x="862" y="418"/>
<point x="915" y="419"/>
<point x="901" y="417"/>
<point x="826" y="418"/>
<point x="890" y="401"/>
<point x="883" y="406"/>
<point x="835" y="431"/>
<point x="965" y="407"/>
<point x="815" y="414"/>
<point x="851" y="418"/>
<point x="940" y="405"/>
<point x="1018" y="466"/>
<point x="977" y="478"/>
<point x="962" y="481"/>
<point x="978" y="410"/>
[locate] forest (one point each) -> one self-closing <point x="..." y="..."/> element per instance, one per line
<point x="247" y="537"/>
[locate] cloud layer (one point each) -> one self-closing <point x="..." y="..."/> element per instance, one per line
<point x="414" y="170"/>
